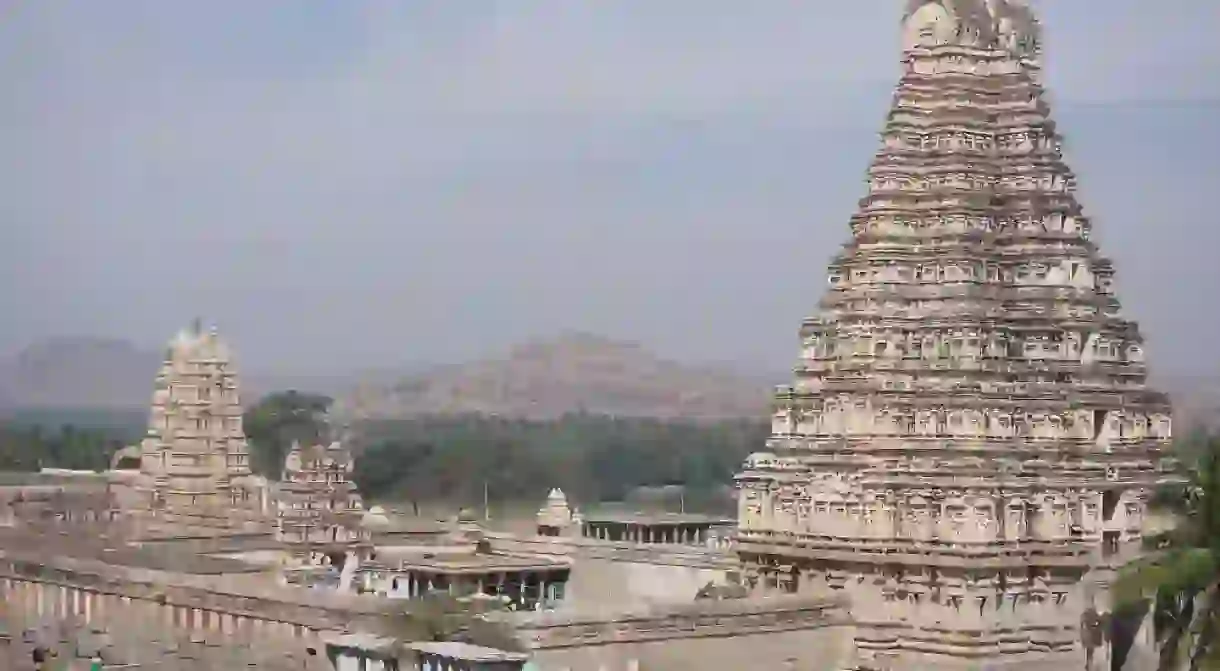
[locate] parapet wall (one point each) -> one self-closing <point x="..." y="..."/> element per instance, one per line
<point x="676" y="555"/>
<point x="728" y="635"/>
<point x="97" y="593"/>
<point x="613" y="574"/>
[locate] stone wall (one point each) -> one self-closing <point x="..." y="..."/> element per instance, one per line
<point x="100" y="594"/>
<point x="613" y="583"/>
<point x="612" y="574"/>
<point x="811" y="634"/>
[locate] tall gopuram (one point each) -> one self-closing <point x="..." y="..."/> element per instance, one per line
<point x="194" y="463"/>
<point x="320" y="512"/>
<point x="969" y="444"/>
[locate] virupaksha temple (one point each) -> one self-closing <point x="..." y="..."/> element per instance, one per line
<point x="969" y="445"/>
<point x="179" y="558"/>
<point x="960" y="466"/>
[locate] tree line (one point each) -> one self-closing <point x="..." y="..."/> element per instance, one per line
<point x="591" y="457"/>
<point x="29" y="446"/>
<point x="451" y="459"/>
<point x="458" y="459"/>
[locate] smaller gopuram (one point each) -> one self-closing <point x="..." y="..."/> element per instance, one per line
<point x="319" y="511"/>
<point x="194" y="464"/>
<point x="556" y="517"/>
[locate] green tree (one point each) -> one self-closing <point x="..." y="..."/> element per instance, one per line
<point x="593" y="458"/>
<point x="279" y="419"/>
<point x="1180" y="577"/>
<point x="29" y="447"/>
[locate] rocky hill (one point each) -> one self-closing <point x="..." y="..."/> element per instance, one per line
<point x="107" y="374"/>
<point x="79" y="372"/>
<point x="1196" y="402"/>
<point x="537" y="380"/>
<point x="573" y="373"/>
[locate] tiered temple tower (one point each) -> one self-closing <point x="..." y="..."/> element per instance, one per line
<point x="194" y="464"/>
<point x="320" y="513"/>
<point x="969" y="442"/>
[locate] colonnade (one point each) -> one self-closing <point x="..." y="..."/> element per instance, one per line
<point x="37" y="600"/>
<point x="525" y="589"/>
<point x="646" y="533"/>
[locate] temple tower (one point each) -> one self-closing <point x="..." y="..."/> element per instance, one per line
<point x="556" y="517"/>
<point x="320" y="512"/>
<point x="194" y="464"/>
<point x="969" y="443"/>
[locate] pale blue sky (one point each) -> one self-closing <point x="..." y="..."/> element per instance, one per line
<point x="359" y="183"/>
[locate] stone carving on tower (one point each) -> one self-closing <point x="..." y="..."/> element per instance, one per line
<point x="320" y="512"/>
<point x="969" y="441"/>
<point x="194" y="463"/>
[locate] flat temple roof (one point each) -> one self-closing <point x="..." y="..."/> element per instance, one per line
<point x="85" y="542"/>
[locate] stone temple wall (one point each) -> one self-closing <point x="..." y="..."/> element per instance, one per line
<point x="812" y="634"/>
<point x="613" y="583"/>
<point x="613" y="574"/>
<point x="154" y="600"/>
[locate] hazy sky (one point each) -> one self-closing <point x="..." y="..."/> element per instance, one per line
<point x="359" y="183"/>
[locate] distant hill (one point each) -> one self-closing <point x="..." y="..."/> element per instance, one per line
<point x="79" y="372"/>
<point x="537" y="380"/>
<point x="86" y="373"/>
<point x="1196" y="401"/>
<point x="573" y="373"/>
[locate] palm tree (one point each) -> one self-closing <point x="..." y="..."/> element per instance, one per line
<point x="1179" y="579"/>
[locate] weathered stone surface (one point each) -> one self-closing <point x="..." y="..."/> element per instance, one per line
<point x="320" y="513"/>
<point x="194" y="462"/>
<point x="969" y="434"/>
<point x="733" y="635"/>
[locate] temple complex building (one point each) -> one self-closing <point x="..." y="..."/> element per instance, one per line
<point x="969" y="444"/>
<point x="194" y="465"/>
<point x="320" y="514"/>
<point x="668" y="528"/>
<point x="525" y="582"/>
<point x="556" y="518"/>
